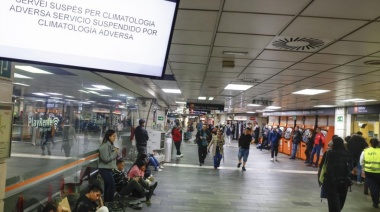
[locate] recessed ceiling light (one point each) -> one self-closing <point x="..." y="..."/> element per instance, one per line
<point x="102" y="87"/>
<point x="130" y="97"/>
<point x="32" y="69"/>
<point x="353" y="100"/>
<point x="91" y="101"/>
<point x="55" y="97"/>
<point x="367" y="100"/>
<point x="180" y="102"/>
<point x="325" y="106"/>
<point x="171" y="90"/>
<point x="55" y="94"/>
<point x="211" y="98"/>
<point x="122" y="95"/>
<point x="202" y="98"/>
<point x="104" y="95"/>
<point x="69" y="96"/>
<point x="235" y="53"/>
<point x="85" y="103"/>
<point x="70" y="100"/>
<point x="253" y="105"/>
<point x="267" y="110"/>
<point x="310" y="92"/>
<point x="94" y="89"/>
<point x="114" y="100"/>
<point x="237" y="87"/>
<point x="273" y="107"/>
<point x="39" y="100"/>
<point x="20" y="76"/>
<point x="83" y="91"/>
<point x="17" y="83"/>
<point x="40" y="94"/>
<point x="250" y="112"/>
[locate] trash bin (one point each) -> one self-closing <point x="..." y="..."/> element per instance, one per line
<point x="168" y="149"/>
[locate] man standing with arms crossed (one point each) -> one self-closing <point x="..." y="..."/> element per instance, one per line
<point x="142" y="138"/>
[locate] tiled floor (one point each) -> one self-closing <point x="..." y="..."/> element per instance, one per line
<point x="286" y="185"/>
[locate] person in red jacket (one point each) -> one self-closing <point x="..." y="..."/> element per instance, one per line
<point x="177" y="140"/>
<point x="319" y="142"/>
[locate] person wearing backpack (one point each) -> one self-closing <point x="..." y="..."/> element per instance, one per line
<point x="355" y="146"/>
<point x="370" y="160"/>
<point x="337" y="175"/>
<point x="297" y="137"/>
<point x="228" y="134"/>
<point x="319" y="142"/>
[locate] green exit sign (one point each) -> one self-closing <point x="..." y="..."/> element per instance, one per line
<point x="5" y="69"/>
<point x="160" y="118"/>
<point x="340" y="118"/>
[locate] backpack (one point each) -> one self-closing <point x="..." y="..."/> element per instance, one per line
<point x="228" y="131"/>
<point x="339" y="168"/>
<point x="305" y="135"/>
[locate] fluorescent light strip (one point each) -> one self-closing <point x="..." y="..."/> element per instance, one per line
<point x="253" y="105"/>
<point x="325" y="106"/>
<point x="273" y="107"/>
<point x="237" y="87"/>
<point x="235" y="53"/>
<point x="310" y="92"/>
<point x="17" y="83"/>
<point x="250" y="112"/>
<point x="211" y="98"/>
<point x="353" y="100"/>
<point x="114" y="100"/>
<point x="94" y="89"/>
<point x="367" y="100"/>
<point x="69" y="96"/>
<point x="102" y="87"/>
<point x="122" y="95"/>
<point x="171" y="90"/>
<point x="20" y="76"/>
<point x="180" y="102"/>
<point x="55" y="97"/>
<point x="32" y="69"/>
<point x="55" y="94"/>
<point x="202" y="98"/>
<point x="40" y="94"/>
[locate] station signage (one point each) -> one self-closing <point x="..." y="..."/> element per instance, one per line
<point x="325" y="112"/>
<point x="43" y="123"/>
<point x="370" y="109"/>
<point x="204" y="107"/>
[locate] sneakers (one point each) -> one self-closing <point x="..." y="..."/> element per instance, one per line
<point x="179" y="156"/>
<point x="243" y="168"/>
<point x="153" y="187"/>
<point x="161" y="167"/>
<point x="158" y="170"/>
<point x="309" y="164"/>
<point x="239" y="164"/>
<point x="271" y="159"/>
<point x="315" y="166"/>
<point x="359" y="182"/>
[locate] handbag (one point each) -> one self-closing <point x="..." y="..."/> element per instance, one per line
<point x="323" y="170"/>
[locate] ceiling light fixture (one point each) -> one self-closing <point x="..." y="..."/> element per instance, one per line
<point x="20" y="76"/>
<point x="69" y="96"/>
<point x="17" y="83"/>
<point x="235" y="53"/>
<point x="40" y="94"/>
<point x="202" y="98"/>
<point x="102" y="87"/>
<point x="367" y="100"/>
<point x="83" y="91"/>
<point x="55" y="97"/>
<point x="237" y="87"/>
<point x="310" y="92"/>
<point x="253" y="105"/>
<point x="55" y="94"/>
<point x="250" y="112"/>
<point x="323" y="106"/>
<point x="94" y="92"/>
<point x="122" y="95"/>
<point x="353" y="100"/>
<point x="273" y="107"/>
<point x="32" y="69"/>
<point x="180" y="102"/>
<point x="94" y="89"/>
<point x="171" y="90"/>
<point x="104" y="95"/>
<point x="114" y="100"/>
<point x="211" y="98"/>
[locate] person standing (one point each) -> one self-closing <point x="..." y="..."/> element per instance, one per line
<point x="244" y="144"/>
<point x="370" y="160"/>
<point x="256" y="132"/>
<point x="355" y="146"/>
<point x="309" y="145"/>
<point x="274" y="139"/>
<point x="176" y="134"/>
<point x="142" y="138"/>
<point x="337" y="176"/>
<point x="319" y="142"/>
<point x="68" y="137"/>
<point x="202" y="138"/>
<point x="295" y="142"/>
<point x="217" y="143"/>
<point x="107" y="161"/>
<point x="228" y="134"/>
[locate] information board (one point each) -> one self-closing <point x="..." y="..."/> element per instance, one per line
<point x="6" y="120"/>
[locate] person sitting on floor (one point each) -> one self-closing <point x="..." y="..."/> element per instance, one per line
<point x="91" y="202"/>
<point x="125" y="186"/>
<point x="137" y="173"/>
<point x="155" y="163"/>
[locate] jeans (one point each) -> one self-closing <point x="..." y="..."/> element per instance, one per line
<point x="177" y="145"/>
<point x="154" y="162"/>
<point x="217" y="158"/>
<point x="243" y="153"/>
<point x="359" y="171"/>
<point x="202" y="153"/>
<point x="141" y="150"/>
<point x="274" y="150"/>
<point x="109" y="184"/>
<point x="294" y="150"/>
<point x="131" y="186"/>
<point x="372" y="180"/>
<point x="316" y="149"/>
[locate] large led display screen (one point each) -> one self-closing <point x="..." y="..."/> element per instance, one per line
<point x="120" y="36"/>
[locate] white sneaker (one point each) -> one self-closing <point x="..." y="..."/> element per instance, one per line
<point x="178" y="156"/>
<point x="271" y="159"/>
<point x="161" y="167"/>
<point x="159" y="170"/>
<point x="359" y="182"/>
<point x="181" y="155"/>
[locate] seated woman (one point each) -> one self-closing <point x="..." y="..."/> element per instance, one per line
<point x="137" y="173"/>
<point x="154" y="162"/>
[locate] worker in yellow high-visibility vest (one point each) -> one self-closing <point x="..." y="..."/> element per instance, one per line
<point x="370" y="160"/>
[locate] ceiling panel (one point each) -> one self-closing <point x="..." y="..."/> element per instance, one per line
<point x="376" y="54"/>
<point x="218" y="67"/>
<point x="271" y="64"/>
<point x="189" y="50"/>
<point x="312" y="66"/>
<point x="361" y="61"/>
<point x="351" y="9"/>
<point x="290" y="7"/>
<point x="242" y="41"/>
<point x="222" y="75"/>
<point x="188" y="66"/>
<point x="282" y="55"/>
<point x="237" y="62"/>
<point x="321" y="28"/>
<point x="353" y="69"/>
<point x="250" y="53"/>
<point x="196" y="20"/>
<point x="287" y="78"/>
<point x="335" y="75"/>
<point x="330" y="59"/>
<point x="260" y="77"/>
<point x="256" y="70"/>
<point x="188" y="59"/>
<point x="304" y="73"/>
<point x="369" y="33"/>
<point x="200" y="4"/>
<point x="192" y="37"/>
<point x="352" y="48"/>
<point x="253" y="23"/>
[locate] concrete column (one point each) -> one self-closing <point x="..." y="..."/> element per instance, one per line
<point x="6" y="78"/>
<point x="341" y="122"/>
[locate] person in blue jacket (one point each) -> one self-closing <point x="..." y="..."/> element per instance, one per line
<point x="274" y="139"/>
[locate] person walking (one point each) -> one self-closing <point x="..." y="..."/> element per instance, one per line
<point x="295" y="142"/>
<point x="370" y="160"/>
<point x="309" y="145"/>
<point x="176" y="134"/>
<point x="202" y="138"/>
<point x="107" y="162"/>
<point x="274" y="139"/>
<point x="142" y="138"/>
<point x="319" y="142"/>
<point x="337" y="174"/>
<point x="217" y="143"/>
<point x="244" y="144"/>
<point x="355" y="146"/>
